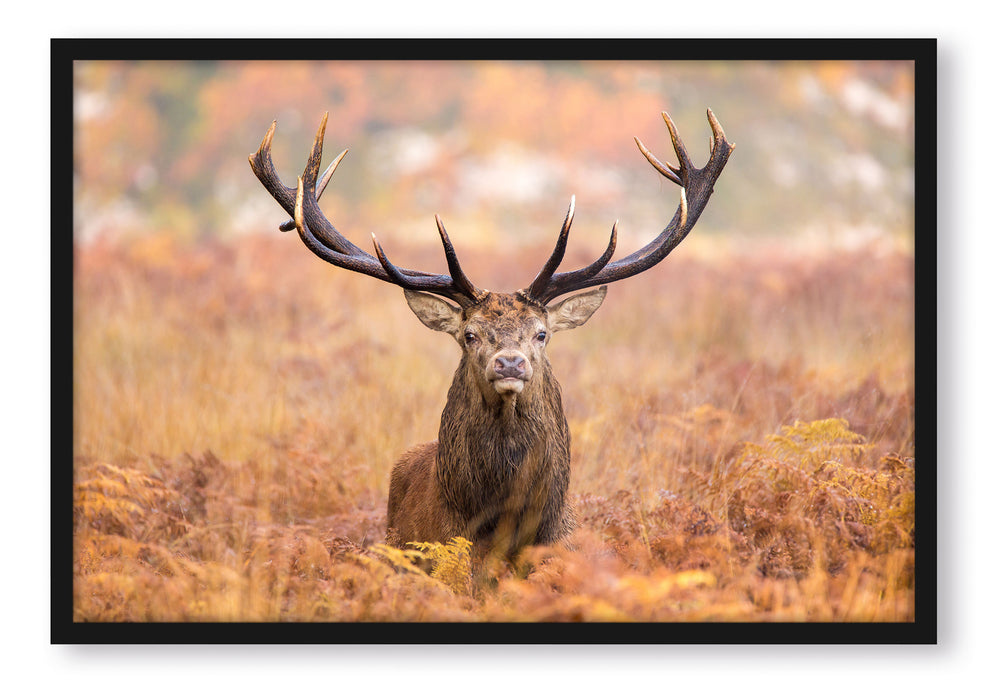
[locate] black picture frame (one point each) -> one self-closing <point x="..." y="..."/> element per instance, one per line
<point x="923" y="52"/>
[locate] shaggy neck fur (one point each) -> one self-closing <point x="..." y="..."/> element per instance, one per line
<point x="504" y="456"/>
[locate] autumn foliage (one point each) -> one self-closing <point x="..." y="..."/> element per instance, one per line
<point x="742" y="435"/>
<point x="742" y="417"/>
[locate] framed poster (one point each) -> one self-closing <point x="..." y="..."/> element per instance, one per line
<point x="744" y="412"/>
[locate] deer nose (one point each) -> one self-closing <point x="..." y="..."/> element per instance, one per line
<point x="510" y="367"/>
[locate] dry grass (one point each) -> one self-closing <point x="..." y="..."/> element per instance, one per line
<point x="742" y="427"/>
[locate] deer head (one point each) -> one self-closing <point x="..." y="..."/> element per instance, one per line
<point x="506" y="353"/>
<point x="503" y="337"/>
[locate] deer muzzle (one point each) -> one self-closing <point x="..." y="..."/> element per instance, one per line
<point x="509" y="371"/>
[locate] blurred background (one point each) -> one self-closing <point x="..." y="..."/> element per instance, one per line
<point x="824" y="149"/>
<point x="198" y="325"/>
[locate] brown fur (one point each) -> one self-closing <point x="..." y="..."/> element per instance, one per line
<point x="499" y="472"/>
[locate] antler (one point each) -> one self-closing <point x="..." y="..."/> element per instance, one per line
<point x="696" y="188"/>
<point x="320" y="236"/>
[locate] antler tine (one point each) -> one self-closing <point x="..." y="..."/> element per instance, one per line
<point x="393" y="272"/>
<point x="717" y="132"/>
<point x="264" y="170"/>
<point x="697" y="186"/>
<point x="665" y="169"/>
<point x="679" y="150"/>
<point x="594" y="267"/>
<point x="324" y="181"/>
<point x="453" y="264"/>
<point x="318" y="223"/>
<point x="565" y="279"/>
<point x="437" y="284"/>
<point x="553" y="262"/>
<point x="320" y="236"/>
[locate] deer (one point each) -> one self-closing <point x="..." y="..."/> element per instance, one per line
<point x="499" y="471"/>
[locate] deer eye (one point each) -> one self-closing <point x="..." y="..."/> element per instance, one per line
<point x="541" y="336"/>
<point x="470" y="338"/>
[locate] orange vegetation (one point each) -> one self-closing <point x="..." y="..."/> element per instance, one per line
<point x="742" y="437"/>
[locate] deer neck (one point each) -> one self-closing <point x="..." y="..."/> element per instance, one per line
<point x="487" y="442"/>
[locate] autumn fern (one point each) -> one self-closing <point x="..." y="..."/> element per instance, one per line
<point x="809" y="445"/>
<point x="450" y="563"/>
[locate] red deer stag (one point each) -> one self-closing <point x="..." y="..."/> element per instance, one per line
<point x="499" y="472"/>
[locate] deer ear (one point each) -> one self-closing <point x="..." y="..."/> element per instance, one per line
<point x="574" y="311"/>
<point x="434" y="312"/>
